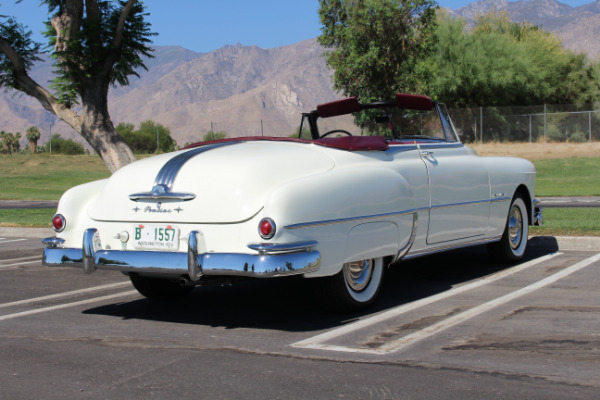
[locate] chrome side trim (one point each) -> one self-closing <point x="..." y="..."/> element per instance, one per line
<point x="468" y="203"/>
<point x="391" y="214"/>
<point x="286" y="247"/>
<point x="165" y="178"/>
<point x="411" y="239"/>
<point x="398" y="148"/>
<point x="440" y="249"/>
<point x="351" y="219"/>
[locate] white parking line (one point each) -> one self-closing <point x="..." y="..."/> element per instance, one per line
<point x="3" y="240"/>
<point x="20" y="259"/>
<point x="21" y="263"/>
<point x="65" y="294"/>
<point x="74" y="304"/>
<point x="318" y="342"/>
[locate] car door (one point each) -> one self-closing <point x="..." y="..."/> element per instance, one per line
<point x="459" y="190"/>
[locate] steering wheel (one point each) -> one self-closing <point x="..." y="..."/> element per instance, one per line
<point x="336" y="131"/>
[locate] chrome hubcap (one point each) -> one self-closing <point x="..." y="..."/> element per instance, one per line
<point x="515" y="227"/>
<point x="358" y="274"/>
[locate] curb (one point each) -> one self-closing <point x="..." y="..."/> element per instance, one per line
<point x="577" y="243"/>
<point x="27" y="232"/>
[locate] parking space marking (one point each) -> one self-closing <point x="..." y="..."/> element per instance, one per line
<point x="20" y="259"/>
<point x="318" y="342"/>
<point x="66" y="305"/>
<point x="15" y="262"/>
<point x="66" y="294"/>
<point x="39" y="260"/>
<point x="3" y="240"/>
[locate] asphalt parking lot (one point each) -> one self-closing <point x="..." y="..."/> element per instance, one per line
<point x="455" y="325"/>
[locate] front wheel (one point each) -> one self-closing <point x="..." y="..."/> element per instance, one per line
<point x="512" y="246"/>
<point x="159" y="289"/>
<point x="356" y="286"/>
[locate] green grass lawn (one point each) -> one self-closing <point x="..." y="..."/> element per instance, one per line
<point x="577" y="176"/>
<point x="27" y="217"/>
<point x="46" y="177"/>
<point x="569" y="222"/>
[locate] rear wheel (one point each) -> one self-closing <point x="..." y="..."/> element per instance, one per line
<point x="159" y="289"/>
<point x="514" y="239"/>
<point x="356" y="286"/>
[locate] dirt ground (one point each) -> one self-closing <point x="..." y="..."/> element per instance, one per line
<point x="537" y="151"/>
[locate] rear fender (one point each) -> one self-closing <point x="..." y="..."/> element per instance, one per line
<point x="354" y="213"/>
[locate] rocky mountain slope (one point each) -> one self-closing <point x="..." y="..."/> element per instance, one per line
<point x="578" y="27"/>
<point x="246" y="90"/>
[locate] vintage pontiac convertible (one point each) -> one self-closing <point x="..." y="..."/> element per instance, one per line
<point x="340" y="209"/>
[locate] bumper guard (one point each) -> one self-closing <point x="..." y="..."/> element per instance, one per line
<point x="271" y="260"/>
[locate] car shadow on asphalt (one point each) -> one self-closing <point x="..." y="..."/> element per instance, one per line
<point x="294" y="304"/>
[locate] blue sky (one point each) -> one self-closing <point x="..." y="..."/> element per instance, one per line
<point x="204" y="26"/>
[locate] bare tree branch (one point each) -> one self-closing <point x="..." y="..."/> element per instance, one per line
<point x="121" y="25"/>
<point x="32" y="88"/>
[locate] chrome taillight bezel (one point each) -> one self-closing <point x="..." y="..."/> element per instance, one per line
<point x="271" y="224"/>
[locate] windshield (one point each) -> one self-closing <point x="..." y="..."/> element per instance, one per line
<point x="388" y="122"/>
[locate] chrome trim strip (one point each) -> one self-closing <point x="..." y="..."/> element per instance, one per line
<point x="162" y="196"/>
<point x="397" y="148"/>
<point x="440" y="249"/>
<point x="411" y="239"/>
<point x="390" y="214"/>
<point x="467" y="203"/>
<point x="286" y="247"/>
<point x="350" y="219"/>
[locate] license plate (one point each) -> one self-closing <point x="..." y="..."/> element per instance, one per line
<point x="155" y="237"/>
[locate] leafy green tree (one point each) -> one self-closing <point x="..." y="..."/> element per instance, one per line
<point x="64" y="146"/>
<point x="95" y="44"/>
<point x="502" y="63"/>
<point x="377" y="47"/>
<point x="10" y="142"/>
<point x="33" y="135"/>
<point x="143" y="140"/>
<point x="209" y="136"/>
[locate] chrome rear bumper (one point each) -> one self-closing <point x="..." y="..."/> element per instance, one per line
<point x="270" y="261"/>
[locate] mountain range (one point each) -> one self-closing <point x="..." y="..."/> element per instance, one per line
<point x="247" y="90"/>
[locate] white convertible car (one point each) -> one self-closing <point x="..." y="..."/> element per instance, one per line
<point x="338" y="206"/>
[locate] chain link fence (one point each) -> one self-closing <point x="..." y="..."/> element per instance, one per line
<point x="259" y="127"/>
<point x="546" y="123"/>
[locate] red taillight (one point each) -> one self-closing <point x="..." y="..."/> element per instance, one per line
<point x="266" y="228"/>
<point x="58" y="223"/>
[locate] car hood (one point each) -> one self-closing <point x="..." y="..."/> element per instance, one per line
<point x="229" y="182"/>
